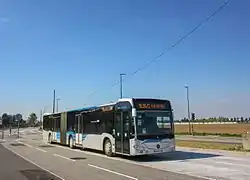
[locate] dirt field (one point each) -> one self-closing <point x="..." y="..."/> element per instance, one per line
<point x="214" y="128"/>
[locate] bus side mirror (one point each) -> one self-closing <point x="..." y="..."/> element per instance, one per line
<point x="133" y="112"/>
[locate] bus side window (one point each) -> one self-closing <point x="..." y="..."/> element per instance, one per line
<point x="71" y="122"/>
<point x="101" y="125"/>
<point x="109" y="122"/>
<point x="81" y="125"/>
<point x="118" y="123"/>
<point x="51" y="120"/>
<point x="126" y="120"/>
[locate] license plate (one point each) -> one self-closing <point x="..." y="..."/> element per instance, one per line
<point x="158" y="150"/>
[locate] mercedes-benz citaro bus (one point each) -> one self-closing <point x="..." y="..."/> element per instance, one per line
<point x="130" y="126"/>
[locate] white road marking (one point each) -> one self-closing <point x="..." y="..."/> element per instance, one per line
<point x="26" y="159"/>
<point x="232" y="164"/>
<point x="64" y="157"/>
<point x="81" y="151"/>
<point x="117" y="173"/>
<point x="40" y="150"/>
<point x="235" y="158"/>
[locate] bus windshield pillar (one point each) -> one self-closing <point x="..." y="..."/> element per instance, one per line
<point x="134" y="119"/>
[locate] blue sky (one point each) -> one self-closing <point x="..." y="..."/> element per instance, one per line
<point x="79" y="47"/>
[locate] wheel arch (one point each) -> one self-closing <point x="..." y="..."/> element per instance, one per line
<point x="107" y="136"/>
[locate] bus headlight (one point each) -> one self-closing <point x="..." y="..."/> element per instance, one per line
<point x="139" y="148"/>
<point x="136" y="147"/>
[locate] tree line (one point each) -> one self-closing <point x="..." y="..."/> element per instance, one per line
<point x="219" y="119"/>
<point x="13" y="120"/>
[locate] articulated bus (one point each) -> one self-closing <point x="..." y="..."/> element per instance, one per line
<point x="130" y="126"/>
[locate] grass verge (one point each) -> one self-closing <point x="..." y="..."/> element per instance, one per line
<point x="209" y="145"/>
<point x="210" y="134"/>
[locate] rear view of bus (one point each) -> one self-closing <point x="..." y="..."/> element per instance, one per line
<point x="152" y="127"/>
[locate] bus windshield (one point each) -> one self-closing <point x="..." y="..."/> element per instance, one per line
<point x="154" y="122"/>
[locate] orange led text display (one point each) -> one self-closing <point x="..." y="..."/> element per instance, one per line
<point x="151" y="106"/>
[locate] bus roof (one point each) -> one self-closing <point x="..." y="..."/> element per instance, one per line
<point x="46" y="114"/>
<point x="83" y="109"/>
<point x="92" y="107"/>
<point x="109" y="104"/>
<point x="102" y="105"/>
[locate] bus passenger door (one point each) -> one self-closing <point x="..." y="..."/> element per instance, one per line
<point x="118" y="131"/>
<point x="126" y="119"/>
<point x="122" y="132"/>
<point x="78" y="129"/>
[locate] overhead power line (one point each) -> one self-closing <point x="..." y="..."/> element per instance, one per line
<point x="179" y="41"/>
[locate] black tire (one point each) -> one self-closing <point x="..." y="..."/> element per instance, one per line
<point x="49" y="139"/>
<point x="108" y="148"/>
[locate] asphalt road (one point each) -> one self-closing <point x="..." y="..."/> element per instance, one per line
<point x="78" y="164"/>
<point x="13" y="167"/>
<point x="75" y="165"/>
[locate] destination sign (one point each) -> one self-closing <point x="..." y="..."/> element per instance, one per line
<point x="152" y="106"/>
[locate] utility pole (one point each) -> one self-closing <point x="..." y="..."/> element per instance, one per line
<point x="2" y="127"/>
<point x="41" y="115"/>
<point x="18" y="119"/>
<point x="18" y="127"/>
<point x="2" y="132"/>
<point x="189" y="127"/>
<point x="41" y="119"/>
<point x="57" y="101"/>
<point x="10" y="122"/>
<point x="121" y="75"/>
<point x="54" y="99"/>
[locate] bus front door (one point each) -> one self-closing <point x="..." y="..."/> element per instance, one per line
<point x="122" y="132"/>
<point x="78" y="129"/>
<point x="63" y="128"/>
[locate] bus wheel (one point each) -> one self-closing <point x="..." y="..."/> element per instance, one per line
<point x="71" y="143"/>
<point x="49" y="139"/>
<point x="108" y="147"/>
